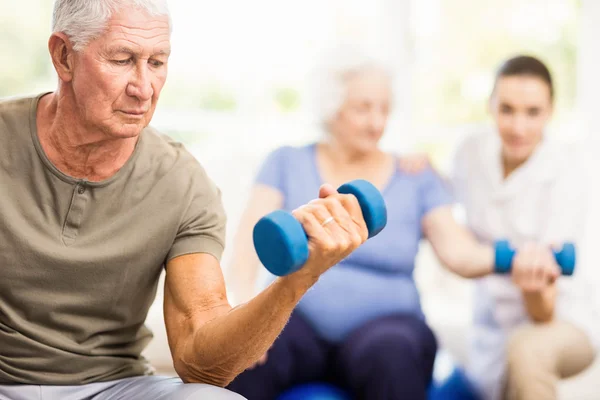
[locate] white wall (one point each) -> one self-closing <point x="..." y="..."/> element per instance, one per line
<point x="588" y="65"/>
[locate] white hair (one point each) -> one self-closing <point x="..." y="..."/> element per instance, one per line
<point x="330" y="78"/>
<point x="85" y="20"/>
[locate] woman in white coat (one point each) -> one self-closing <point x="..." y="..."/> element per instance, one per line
<point x="531" y="327"/>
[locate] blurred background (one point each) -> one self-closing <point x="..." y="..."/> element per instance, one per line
<point x="239" y="69"/>
<point x="239" y="79"/>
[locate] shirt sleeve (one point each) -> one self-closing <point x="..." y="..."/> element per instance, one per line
<point x="434" y="191"/>
<point x="202" y="227"/>
<point x="573" y="219"/>
<point x="568" y="201"/>
<point x="272" y="170"/>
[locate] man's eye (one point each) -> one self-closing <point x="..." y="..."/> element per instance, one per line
<point x="156" y="63"/>
<point x="122" y="62"/>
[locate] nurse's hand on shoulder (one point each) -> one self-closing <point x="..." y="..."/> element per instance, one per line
<point x="534" y="268"/>
<point x="414" y="163"/>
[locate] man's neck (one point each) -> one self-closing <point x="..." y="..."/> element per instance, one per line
<point x="74" y="150"/>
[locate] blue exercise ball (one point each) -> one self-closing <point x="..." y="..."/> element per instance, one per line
<point x="314" y="391"/>
<point x="455" y="387"/>
<point x="450" y="381"/>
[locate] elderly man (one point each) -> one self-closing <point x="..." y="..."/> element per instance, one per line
<point x="95" y="203"/>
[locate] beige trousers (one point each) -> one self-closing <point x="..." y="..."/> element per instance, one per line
<point x="541" y="354"/>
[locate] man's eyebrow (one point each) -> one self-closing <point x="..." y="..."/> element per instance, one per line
<point x="163" y="52"/>
<point x="127" y="50"/>
<point x="121" y="49"/>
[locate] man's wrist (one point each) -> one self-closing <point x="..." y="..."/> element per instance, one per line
<point x="300" y="281"/>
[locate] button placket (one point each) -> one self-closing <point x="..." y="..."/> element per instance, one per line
<point x="75" y="214"/>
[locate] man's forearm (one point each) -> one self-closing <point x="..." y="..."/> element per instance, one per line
<point x="220" y="349"/>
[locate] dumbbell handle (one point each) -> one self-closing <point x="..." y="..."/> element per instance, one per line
<point x="281" y="243"/>
<point x="504" y="255"/>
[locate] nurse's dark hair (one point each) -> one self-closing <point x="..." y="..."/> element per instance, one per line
<point x="524" y="65"/>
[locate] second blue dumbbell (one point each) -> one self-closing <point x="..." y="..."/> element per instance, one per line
<point x="281" y="243"/>
<point x="565" y="258"/>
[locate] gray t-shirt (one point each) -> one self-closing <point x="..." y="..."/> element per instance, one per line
<point x="80" y="261"/>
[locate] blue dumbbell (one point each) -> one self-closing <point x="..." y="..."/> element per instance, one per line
<point x="565" y="258"/>
<point x="282" y="244"/>
<point x="314" y="391"/>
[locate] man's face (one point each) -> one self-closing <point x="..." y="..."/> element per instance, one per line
<point x="117" y="78"/>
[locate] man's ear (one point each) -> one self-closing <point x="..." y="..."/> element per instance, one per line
<point x="62" y="53"/>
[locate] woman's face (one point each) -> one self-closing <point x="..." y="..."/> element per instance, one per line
<point x="521" y="107"/>
<point x="360" y="122"/>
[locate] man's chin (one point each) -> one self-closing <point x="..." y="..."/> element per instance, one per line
<point x="126" y="131"/>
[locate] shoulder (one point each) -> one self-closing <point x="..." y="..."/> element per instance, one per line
<point x="16" y="102"/>
<point x="163" y="151"/>
<point x="569" y="163"/>
<point x="289" y="155"/>
<point x="474" y="143"/>
<point x="422" y="179"/>
<point x="16" y="121"/>
<point x="288" y="151"/>
<point x="475" y="156"/>
<point x="429" y="176"/>
<point x="15" y="109"/>
<point x="166" y="158"/>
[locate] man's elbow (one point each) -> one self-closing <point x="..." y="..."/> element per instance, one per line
<point x="216" y="376"/>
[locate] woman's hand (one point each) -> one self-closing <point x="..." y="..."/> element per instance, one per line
<point x="535" y="271"/>
<point x="534" y="268"/>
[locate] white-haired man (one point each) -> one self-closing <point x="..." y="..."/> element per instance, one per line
<point x="95" y="203"/>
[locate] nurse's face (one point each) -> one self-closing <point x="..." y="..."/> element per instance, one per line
<point x="521" y="106"/>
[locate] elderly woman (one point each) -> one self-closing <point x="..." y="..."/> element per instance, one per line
<point x="361" y="326"/>
<point x="516" y="183"/>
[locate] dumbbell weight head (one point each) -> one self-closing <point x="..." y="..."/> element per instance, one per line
<point x="280" y="243"/>
<point x="504" y="254"/>
<point x="371" y="203"/>
<point x="566" y="259"/>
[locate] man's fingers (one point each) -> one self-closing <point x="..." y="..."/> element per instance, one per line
<point x="326" y="190"/>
